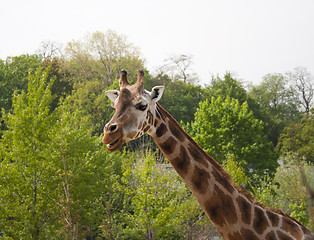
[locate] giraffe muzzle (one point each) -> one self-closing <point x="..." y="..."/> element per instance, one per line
<point x="113" y="137"/>
<point x="113" y="145"/>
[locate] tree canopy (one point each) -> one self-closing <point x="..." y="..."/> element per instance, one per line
<point x="278" y="104"/>
<point x="102" y="56"/>
<point x="226" y="128"/>
<point x="299" y="138"/>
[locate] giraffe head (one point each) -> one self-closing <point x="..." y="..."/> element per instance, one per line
<point x="134" y="107"/>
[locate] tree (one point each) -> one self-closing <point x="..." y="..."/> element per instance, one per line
<point x="299" y="138"/>
<point x="278" y="104"/>
<point x="51" y="168"/>
<point x="157" y="204"/>
<point x="227" y="129"/>
<point x="102" y="56"/>
<point x="13" y="76"/>
<point x="91" y="104"/>
<point x="291" y="192"/>
<point x="179" y="67"/>
<point x="236" y="171"/>
<point x="62" y="86"/>
<point x="181" y="100"/>
<point x="153" y="199"/>
<point x="229" y="86"/>
<point x="25" y="208"/>
<point x="226" y="86"/>
<point x="303" y="82"/>
<point x="287" y="190"/>
<point x="50" y="50"/>
<point x="80" y="169"/>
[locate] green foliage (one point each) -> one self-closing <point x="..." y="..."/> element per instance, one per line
<point x="265" y="191"/>
<point x="278" y="102"/>
<point x="13" y="76"/>
<point x="24" y="212"/>
<point x="155" y="203"/>
<point x="294" y="197"/>
<point x="288" y="189"/>
<point x="89" y="101"/>
<point x="288" y="175"/>
<point x="299" y="138"/>
<point x="228" y="86"/>
<point x="62" y="85"/>
<point x="79" y="173"/>
<point x="299" y="212"/>
<point x="225" y="128"/>
<point x="191" y="222"/>
<point x="102" y="56"/>
<point x="51" y="169"/>
<point x="181" y="100"/>
<point x="152" y="81"/>
<point x="91" y="105"/>
<point x="237" y="172"/>
<point x="275" y="95"/>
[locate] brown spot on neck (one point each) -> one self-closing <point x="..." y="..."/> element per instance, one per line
<point x="197" y="155"/>
<point x="199" y="180"/>
<point x="176" y="131"/>
<point x="245" y="209"/>
<point x="181" y="163"/>
<point x="291" y="227"/>
<point x="273" y="217"/>
<point x="149" y="117"/>
<point x="271" y="236"/>
<point x="220" y="208"/>
<point x="168" y="146"/>
<point x="161" y="130"/>
<point x="260" y="222"/>
<point x="160" y="112"/>
<point x="223" y="180"/>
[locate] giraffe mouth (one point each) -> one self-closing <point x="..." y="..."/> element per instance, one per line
<point x="115" y="145"/>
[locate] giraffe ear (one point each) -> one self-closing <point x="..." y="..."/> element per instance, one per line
<point x="112" y="94"/>
<point x="156" y="93"/>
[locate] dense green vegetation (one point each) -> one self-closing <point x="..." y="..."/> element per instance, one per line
<point x="57" y="181"/>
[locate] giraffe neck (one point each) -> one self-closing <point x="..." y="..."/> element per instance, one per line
<point x="232" y="211"/>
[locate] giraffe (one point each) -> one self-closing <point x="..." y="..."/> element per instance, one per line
<point x="234" y="213"/>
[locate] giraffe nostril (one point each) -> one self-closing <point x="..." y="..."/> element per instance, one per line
<point x="112" y="128"/>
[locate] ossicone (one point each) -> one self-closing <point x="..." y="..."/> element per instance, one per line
<point x="140" y="81"/>
<point x="123" y="82"/>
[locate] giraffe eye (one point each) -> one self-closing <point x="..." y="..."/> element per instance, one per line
<point x="141" y="107"/>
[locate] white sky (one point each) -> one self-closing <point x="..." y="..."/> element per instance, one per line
<point x="250" y="38"/>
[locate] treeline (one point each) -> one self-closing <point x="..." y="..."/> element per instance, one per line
<point x="57" y="181"/>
